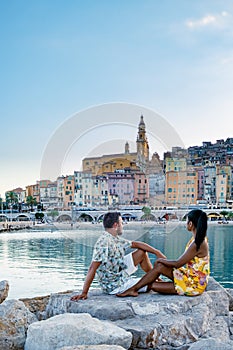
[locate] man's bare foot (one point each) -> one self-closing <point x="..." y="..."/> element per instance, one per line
<point x="128" y="293"/>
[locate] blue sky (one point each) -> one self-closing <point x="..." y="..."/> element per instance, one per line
<point x="61" y="57"/>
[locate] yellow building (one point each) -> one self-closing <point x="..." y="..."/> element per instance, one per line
<point x="176" y="164"/>
<point x="68" y="199"/>
<point x="227" y="179"/>
<point x="221" y="189"/>
<point x="111" y="162"/>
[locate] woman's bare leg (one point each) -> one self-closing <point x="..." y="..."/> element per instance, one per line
<point x="163" y="287"/>
<point x="148" y="279"/>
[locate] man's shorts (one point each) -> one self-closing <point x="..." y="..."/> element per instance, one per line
<point x="131" y="268"/>
<point x="128" y="260"/>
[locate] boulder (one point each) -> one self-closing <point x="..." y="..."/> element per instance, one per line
<point x="231" y="323"/>
<point x="14" y="321"/>
<point x="93" y="347"/>
<point x="36" y="305"/>
<point x="212" y="344"/>
<point x="230" y="295"/>
<point x="4" y="289"/>
<point x="74" y="329"/>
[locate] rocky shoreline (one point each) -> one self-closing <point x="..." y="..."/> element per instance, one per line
<point x="104" y="322"/>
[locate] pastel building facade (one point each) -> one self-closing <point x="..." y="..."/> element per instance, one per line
<point x="181" y="187"/>
<point x="33" y="191"/>
<point x="68" y="199"/>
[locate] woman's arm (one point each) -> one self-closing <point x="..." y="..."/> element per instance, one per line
<point x="188" y="255"/>
<point x="147" y="248"/>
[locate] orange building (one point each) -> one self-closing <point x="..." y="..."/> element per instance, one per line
<point x="68" y="197"/>
<point x="181" y="187"/>
<point x="34" y="191"/>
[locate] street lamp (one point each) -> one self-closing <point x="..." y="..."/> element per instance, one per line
<point x="1" y="204"/>
<point x="73" y="214"/>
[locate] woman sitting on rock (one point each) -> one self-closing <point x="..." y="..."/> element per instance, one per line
<point x="189" y="274"/>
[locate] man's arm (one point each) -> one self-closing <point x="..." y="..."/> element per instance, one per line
<point x="147" y="248"/>
<point x="89" y="278"/>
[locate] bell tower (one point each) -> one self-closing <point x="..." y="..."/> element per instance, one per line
<point x="142" y="146"/>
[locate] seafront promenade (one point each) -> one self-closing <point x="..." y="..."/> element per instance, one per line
<point x="30" y="225"/>
<point x="96" y="215"/>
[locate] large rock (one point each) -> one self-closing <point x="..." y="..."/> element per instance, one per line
<point x="36" y="305"/>
<point x="72" y="329"/>
<point x="4" y="289"/>
<point x="212" y="344"/>
<point x="230" y="295"/>
<point x="231" y="323"/>
<point x="14" y="321"/>
<point x="155" y="320"/>
<point x="93" y="347"/>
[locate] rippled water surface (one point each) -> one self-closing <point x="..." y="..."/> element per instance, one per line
<point x="41" y="262"/>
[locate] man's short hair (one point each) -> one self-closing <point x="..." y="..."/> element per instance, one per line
<point x="110" y="219"/>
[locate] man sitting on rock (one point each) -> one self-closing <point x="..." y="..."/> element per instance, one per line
<point x="109" y="261"/>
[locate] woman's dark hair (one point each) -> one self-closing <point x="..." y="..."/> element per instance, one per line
<point x="110" y="219"/>
<point x="199" y="220"/>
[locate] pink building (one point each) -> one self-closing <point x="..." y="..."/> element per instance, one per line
<point x="131" y="187"/>
<point x="141" y="188"/>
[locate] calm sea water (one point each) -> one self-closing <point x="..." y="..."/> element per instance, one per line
<point x="41" y="262"/>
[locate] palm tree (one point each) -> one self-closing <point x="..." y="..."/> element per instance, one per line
<point x="230" y="215"/>
<point x="11" y="198"/>
<point x="1" y="204"/>
<point x="224" y="213"/>
<point x="31" y="201"/>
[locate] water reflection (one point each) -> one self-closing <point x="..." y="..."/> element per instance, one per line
<point x="38" y="263"/>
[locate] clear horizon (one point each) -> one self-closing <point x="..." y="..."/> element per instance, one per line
<point x="57" y="59"/>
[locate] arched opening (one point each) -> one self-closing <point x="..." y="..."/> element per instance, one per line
<point x="126" y="217"/>
<point x="100" y="218"/>
<point x="170" y="216"/>
<point x="3" y="218"/>
<point x="22" y="217"/>
<point x="64" y="218"/>
<point x="214" y="216"/>
<point x="85" y="218"/>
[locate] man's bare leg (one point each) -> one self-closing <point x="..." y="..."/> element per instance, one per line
<point x="148" y="279"/>
<point x="142" y="258"/>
